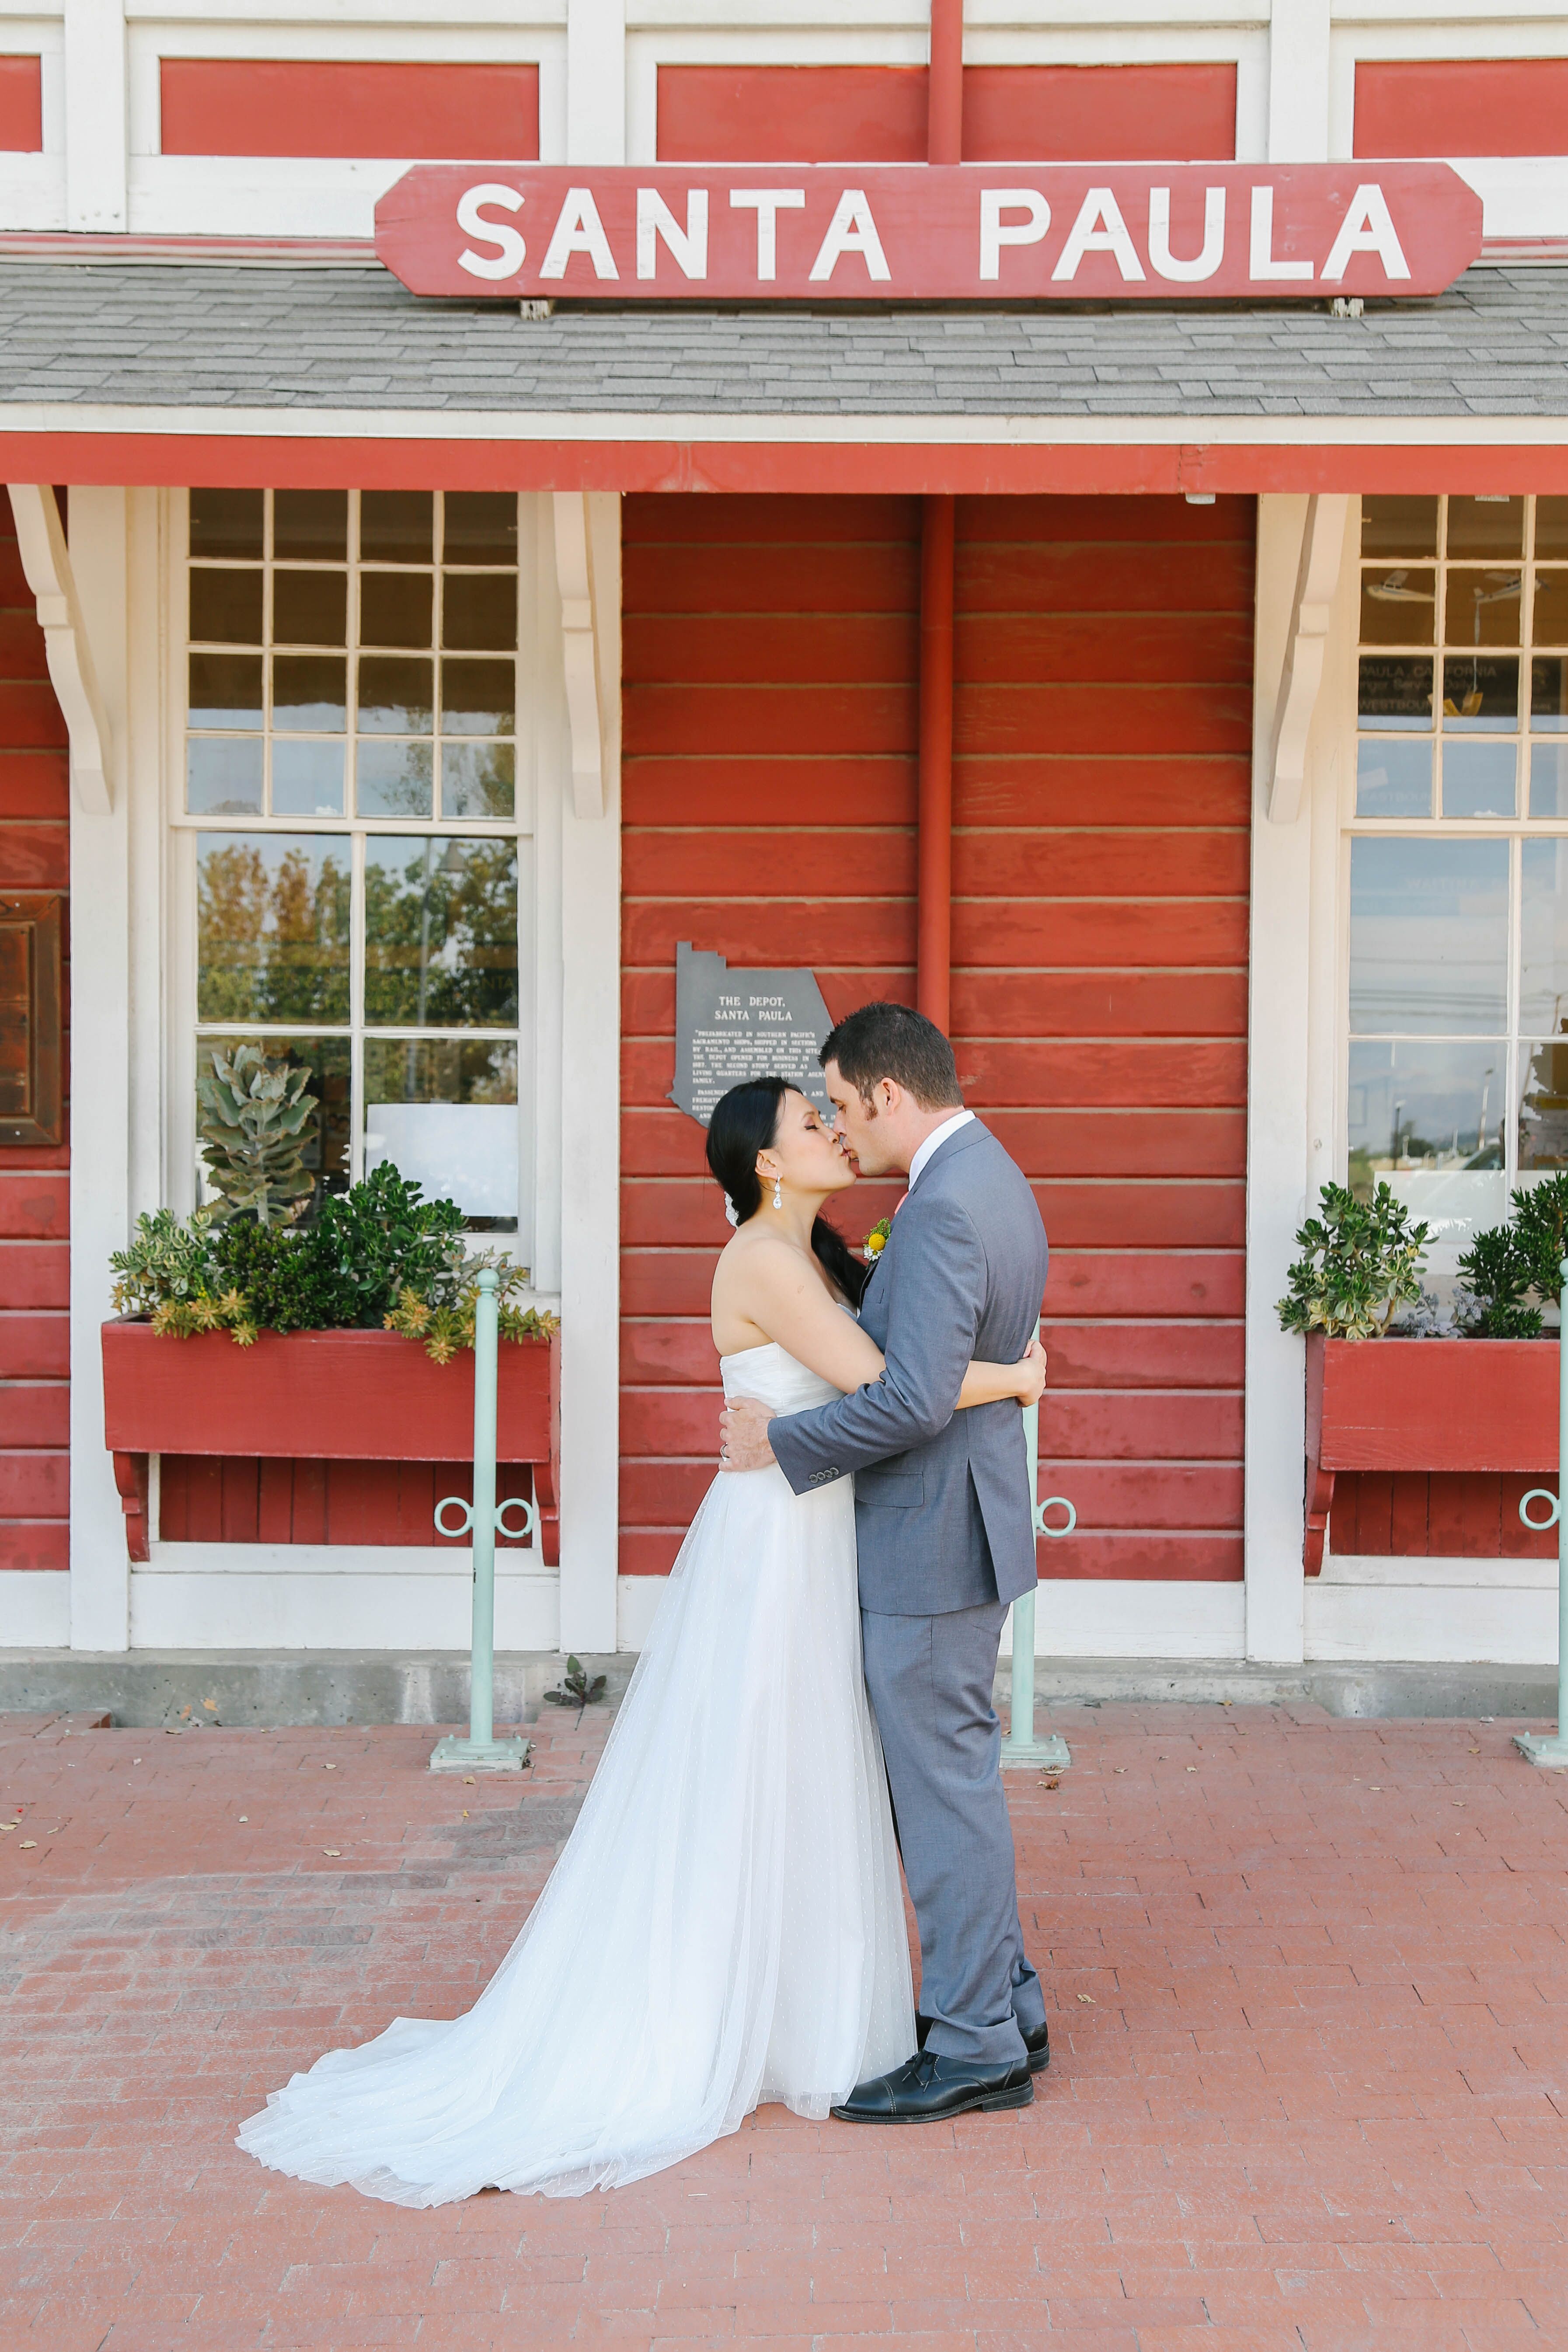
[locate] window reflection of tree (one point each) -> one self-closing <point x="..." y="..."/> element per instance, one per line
<point x="274" y="938"/>
<point x="441" y="933"/>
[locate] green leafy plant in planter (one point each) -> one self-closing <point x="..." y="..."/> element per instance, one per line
<point x="377" y="1257"/>
<point x="1513" y="1270"/>
<point x="257" y="1123"/>
<point x="1361" y="1262"/>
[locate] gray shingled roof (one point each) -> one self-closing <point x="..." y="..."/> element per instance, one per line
<point x="349" y="336"/>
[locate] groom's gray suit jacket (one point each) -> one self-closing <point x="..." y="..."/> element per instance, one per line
<point x="943" y="1511"/>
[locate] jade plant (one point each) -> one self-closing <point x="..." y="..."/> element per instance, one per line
<point x="1361" y="1262"/>
<point x="256" y="1124"/>
<point x="378" y="1257"/>
<point x="1512" y="1271"/>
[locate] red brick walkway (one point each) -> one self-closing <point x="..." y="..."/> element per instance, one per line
<point x="1310" y="2091"/>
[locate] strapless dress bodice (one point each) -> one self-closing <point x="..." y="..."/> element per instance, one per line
<point x="775" y="1379"/>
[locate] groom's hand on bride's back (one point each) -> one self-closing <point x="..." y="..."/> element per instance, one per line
<point x="743" y="1435"/>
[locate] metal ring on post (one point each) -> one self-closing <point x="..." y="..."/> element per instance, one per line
<point x="1554" y="1509"/>
<point x="1051" y="1501"/>
<point x="530" y="1518"/>
<point x="454" y="1503"/>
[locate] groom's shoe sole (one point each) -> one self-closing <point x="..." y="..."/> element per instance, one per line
<point x="992" y="2103"/>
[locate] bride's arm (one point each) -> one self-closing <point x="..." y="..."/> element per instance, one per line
<point x="787" y="1302"/>
<point x="991" y="1383"/>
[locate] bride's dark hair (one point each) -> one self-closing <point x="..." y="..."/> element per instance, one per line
<point x="744" y="1122"/>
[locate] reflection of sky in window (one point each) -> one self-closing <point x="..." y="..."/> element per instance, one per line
<point x="1429" y="936"/>
<point x="1440" y="1104"/>
<point x="1543" y="938"/>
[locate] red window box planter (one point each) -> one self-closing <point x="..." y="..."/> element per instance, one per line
<point x="1425" y="1404"/>
<point x="331" y="1396"/>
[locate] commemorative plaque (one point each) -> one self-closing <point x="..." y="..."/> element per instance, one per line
<point x="731" y="1025"/>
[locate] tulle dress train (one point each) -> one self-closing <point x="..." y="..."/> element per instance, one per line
<point x="725" y="1925"/>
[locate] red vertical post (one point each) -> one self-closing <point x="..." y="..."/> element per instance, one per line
<point x="945" y="100"/>
<point x="944" y="145"/>
<point x="934" y="966"/>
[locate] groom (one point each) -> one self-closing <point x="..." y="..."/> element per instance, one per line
<point x="945" y="1532"/>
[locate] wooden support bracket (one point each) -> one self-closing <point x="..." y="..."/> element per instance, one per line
<point x="130" y="1475"/>
<point x="1316" y="580"/>
<point x="45" y="561"/>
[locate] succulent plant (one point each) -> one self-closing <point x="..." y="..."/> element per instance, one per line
<point x="256" y="1121"/>
<point x="1361" y="1262"/>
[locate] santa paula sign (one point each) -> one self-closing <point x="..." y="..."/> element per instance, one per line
<point x="929" y="232"/>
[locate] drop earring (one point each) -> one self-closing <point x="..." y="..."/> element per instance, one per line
<point x="778" y="1192"/>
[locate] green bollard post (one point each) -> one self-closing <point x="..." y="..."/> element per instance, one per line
<point x="1020" y="1746"/>
<point x="481" y="1752"/>
<point x="1551" y="1748"/>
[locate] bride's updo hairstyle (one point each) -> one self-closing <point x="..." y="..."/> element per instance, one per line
<point x="744" y="1122"/>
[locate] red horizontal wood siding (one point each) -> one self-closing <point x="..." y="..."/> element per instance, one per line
<point x="425" y="111"/>
<point x="1461" y="106"/>
<point x="876" y="114"/>
<point x="215" y="1498"/>
<point x="1102" y="738"/>
<point x="769" y="717"/>
<point x="1102" y="745"/>
<point x="21" y="106"/>
<point x="35" y="1183"/>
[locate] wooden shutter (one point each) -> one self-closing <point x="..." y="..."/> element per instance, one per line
<point x="30" y="1075"/>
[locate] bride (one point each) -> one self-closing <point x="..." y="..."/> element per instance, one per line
<point x="725" y="1925"/>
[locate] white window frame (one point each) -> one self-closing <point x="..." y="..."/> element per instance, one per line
<point x="180" y="829"/>
<point x="1516" y="829"/>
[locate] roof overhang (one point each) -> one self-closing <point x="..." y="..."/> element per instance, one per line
<point x="611" y="451"/>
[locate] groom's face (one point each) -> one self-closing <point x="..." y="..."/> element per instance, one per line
<point x="859" y="1125"/>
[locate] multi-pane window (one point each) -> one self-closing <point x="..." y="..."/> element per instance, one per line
<point x="1459" y="927"/>
<point x="350" y="784"/>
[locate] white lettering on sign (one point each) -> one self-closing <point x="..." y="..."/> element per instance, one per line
<point x="995" y="232"/>
<point x="929" y="232"/>
<point x="1367" y="227"/>
<point x="1099" y="228"/>
<point x="851" y="230"/>
<point x="579" y="230"/>
<point x="511" y="252"/>
<point x="1164" y="261"/>
<point x="688" y="245"/>
<point x="1262" y="264"/>
<point x="767" y="204"/>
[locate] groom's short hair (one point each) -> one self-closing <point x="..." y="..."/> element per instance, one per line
<point x="892" y="1041"/>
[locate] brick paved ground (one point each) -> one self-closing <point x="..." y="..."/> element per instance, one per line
<point x="1310" y="2015"/>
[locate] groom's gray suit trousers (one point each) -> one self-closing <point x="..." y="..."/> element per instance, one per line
<point x="930" y="1680"/>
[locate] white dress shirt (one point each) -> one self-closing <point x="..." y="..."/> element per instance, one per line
<point x="935" y="1142"/>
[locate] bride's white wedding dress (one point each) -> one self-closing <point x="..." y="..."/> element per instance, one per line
<point x="725" y="1925"/>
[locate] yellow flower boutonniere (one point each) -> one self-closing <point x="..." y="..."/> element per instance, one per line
<point x="875" y="1241"/>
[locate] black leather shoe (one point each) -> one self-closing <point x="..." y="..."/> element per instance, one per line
<point x="1037" y="2044"/>
<point x="928" y="2089"/>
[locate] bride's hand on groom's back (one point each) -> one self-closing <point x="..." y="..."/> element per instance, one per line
<point x="1032" y="1374"/>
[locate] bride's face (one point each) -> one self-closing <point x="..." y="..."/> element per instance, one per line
<point x="804" y="1152"/>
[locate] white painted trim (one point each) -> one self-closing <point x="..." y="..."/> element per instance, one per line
<point x="1449" y="1624"/>
<point x="590" y="1144"/>
<point x="101" y="1086"/>
<point x="1298" y="81"/>
<point x="504" y="426"/>
<point x="97" y="114"/>
<point x="252" y="1560"/>
<point x="1322" y="549"/>
<point x="595" y="81"/>
<point x="1275" y="1409"/>
<point x="34" y="1609"/>
<point x="1426" y="1570"/>
<point x="1116" y="1619"/>
<point x="46" y="562"/>
<point x="589" y="613"/>
<point x="224" y="1608"/>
